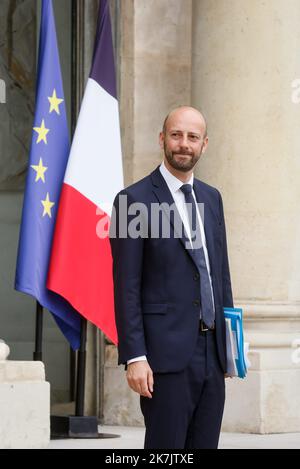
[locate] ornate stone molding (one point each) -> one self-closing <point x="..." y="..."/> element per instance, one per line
<point x="257" y="311"/>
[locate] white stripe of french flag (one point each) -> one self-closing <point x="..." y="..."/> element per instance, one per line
<point x="80" y="269"/>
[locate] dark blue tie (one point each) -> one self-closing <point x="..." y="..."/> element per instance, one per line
<point x="207" y="307"/>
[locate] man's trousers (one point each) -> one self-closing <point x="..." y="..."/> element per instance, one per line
<point x="186" y="408"/>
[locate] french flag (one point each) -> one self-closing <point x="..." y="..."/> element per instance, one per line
<point x="80" y="269"/>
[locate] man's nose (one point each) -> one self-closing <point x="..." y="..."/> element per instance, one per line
<point x="184" y="143"/>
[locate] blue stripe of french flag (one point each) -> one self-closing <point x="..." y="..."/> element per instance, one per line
<point x="81" y="264"/>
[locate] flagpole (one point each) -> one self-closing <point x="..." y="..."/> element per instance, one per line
<point x="77" y="90"/>
<point x="79" y="409"/>
<point x="37" y="354"/>
<point x="76" y="96"/>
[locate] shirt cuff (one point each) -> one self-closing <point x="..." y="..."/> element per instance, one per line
<point x="143" y="358"/>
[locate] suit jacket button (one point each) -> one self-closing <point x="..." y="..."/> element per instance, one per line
<point x="196" y="277"/>
<point x="196" y="303"/>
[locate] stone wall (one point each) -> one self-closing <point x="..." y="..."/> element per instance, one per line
<point x="245" y="58"/>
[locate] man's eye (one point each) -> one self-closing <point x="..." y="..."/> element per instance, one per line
<point x="194" y="137"/>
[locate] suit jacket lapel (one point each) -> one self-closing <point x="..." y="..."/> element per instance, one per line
<point x="164" y="196"/>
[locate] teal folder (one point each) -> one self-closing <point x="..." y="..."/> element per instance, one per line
<point x="236" y="360"/>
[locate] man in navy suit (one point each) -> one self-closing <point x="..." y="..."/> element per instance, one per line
<point x="170" y="291"/>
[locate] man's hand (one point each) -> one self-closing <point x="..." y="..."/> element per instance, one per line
<point x="140" y="378"/>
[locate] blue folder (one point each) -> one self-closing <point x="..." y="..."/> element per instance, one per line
<point x="236" y="360"/>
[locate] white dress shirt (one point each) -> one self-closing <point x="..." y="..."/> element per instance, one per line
<point x="174" y="186"/>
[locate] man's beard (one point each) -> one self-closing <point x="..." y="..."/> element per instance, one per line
<point x="186" y="164"/>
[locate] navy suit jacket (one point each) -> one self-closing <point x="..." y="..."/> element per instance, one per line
<point x="157" y="283"/>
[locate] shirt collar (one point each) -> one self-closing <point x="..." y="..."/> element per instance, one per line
<point x="173" y="183"/>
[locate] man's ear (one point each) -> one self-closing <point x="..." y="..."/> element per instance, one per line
<point x="205" y="145"/>
<point x="161" y="140"/>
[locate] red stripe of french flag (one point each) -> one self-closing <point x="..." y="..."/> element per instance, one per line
<point x="80" y="269"/>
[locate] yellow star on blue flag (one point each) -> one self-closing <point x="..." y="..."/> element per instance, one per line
<point x="47" y="204"/>
<point x="40" y="171"/>
<point x="54" y="103"/>
<point x="42" y="132"/>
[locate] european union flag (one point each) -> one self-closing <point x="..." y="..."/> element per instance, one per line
<point x="47" y="163"/>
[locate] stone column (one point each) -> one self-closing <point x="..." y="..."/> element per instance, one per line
<point x="245" y="58"/>
<point x="155" y="68"/>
